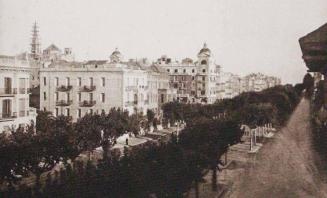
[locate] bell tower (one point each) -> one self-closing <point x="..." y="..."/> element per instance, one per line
<point x="35" y="43"/>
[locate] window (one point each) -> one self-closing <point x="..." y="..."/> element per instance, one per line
<point x="91" y="96"/>
<point x="68" y="97"/>
<point x="162" y="98"/>
<point x="203" y="78"/>
<point x="67" y="81"/>
<point x="193" y="70"/>
<point x="103" y="81"/>
<point x="184" y="70"/>
<point x="176" y="70"/>
<point x="192" y="77"/>
<point x="79" y="113"/>
<point x="203" y="62"/>
<point x="204" y="70"/>
<point x="79" y="81"/>
<point x="168" y="70"/>
<point x="44" y="96"/>
<point x="57" y="111"/>
<point x="67" y="112"/>
<point x="44" y="81"/>
<point x="79" y="96"/>
<point x="6" y="108"/>
<point x="102" y="97"/>
<point x="22" y="84"/>
<point x="91" y="81"/>
<point x="56" y="96"/>
<point x="56" y="81"/>
<point x="8" y="84"/>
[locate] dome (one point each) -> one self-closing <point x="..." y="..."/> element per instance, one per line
<point x="116" y="53"/>
<point x="116" y="56"/>
<point x="205" y="50"/>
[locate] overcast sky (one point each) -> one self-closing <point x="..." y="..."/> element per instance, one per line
<point x="244" y="35"/>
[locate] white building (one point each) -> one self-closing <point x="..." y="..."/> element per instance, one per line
<point x="76" y="88"/>
<point x="14" y="93"/>
<point x="258" y="82"/>
<point x="195" y="81"/>
<point x="230" y="85"/>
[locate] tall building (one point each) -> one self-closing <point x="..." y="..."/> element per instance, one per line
<point x="14" y="93"/>
<point x="230" y="85"/>
<point x="195" y="81"/>
<point x="76" y="88"/>
<point x="35" y="43"/>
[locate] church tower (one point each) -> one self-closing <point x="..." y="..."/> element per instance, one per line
<point x="35" y="43"/>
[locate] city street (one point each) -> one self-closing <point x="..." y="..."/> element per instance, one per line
<point x="285" y="167"/>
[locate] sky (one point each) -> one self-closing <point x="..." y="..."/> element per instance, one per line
<point x="244" y="36"/>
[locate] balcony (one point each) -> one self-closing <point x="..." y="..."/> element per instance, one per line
<point x="87" y="88"/>
<point x="87" y="103"/>
<point x="64" y="88"/>
<point x="8" y="116"/>
<point x="131" y="88"/>
<point x="63" y="103"/>
<point x="131" y="103"/>
<point x="8" y="91"/>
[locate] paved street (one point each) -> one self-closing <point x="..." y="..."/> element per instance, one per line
<point x="285" y="167"/>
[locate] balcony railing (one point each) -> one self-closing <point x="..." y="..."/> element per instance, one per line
<point x="87" y="88"/>
<point x="87" y="103"/>
<point x="131" y="103"/>
<point x="64" y="88"/>
<point x="22" y="90"/>
<point x="64" y="102"/>
<point x="131" y="88"/>
<point x="7" y="116"/>
<point x="8" y="91"/>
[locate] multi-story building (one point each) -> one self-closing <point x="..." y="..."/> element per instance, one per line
<point x="230" y="85"/>
<point x="258" y="82"/>
<point x="195" y="81"/>
<point x="76" y="88"/>
<point x="14" y="93"/>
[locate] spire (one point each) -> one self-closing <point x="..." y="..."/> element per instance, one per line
<point x="35" y="42"/>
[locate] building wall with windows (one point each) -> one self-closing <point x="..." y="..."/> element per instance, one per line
<point x="14" y="94"/>
<point x="195" y="81"/>
<point x="76" y="88"/>
<point x="258" y="82"/>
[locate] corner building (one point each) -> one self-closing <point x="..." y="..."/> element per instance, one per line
<point x="196" y="82"/>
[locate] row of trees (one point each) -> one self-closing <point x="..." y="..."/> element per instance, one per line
<point x="272" y="105"/>
<point x="39" y="148"/>
<point x="164" y="170"/>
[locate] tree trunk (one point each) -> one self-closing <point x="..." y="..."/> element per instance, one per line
<point x="37" y="186"/>
<point x="214" y="178"/>
<point x="196" y="188"/>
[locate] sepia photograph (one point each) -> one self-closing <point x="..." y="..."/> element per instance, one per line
<point x="163" y="99"/>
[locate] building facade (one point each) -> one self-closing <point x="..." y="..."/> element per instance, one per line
<point x="258" y="82"/>
<point x="76" y="88"/>
<point x="230" y="85"/>
<point x="196" y="82"/>
<point x="14" y="93"/>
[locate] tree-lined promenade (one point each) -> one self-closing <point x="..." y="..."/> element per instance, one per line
<point x="166" y="169"/>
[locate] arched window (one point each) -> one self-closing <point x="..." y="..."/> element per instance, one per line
<point x="203" y="62"/>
